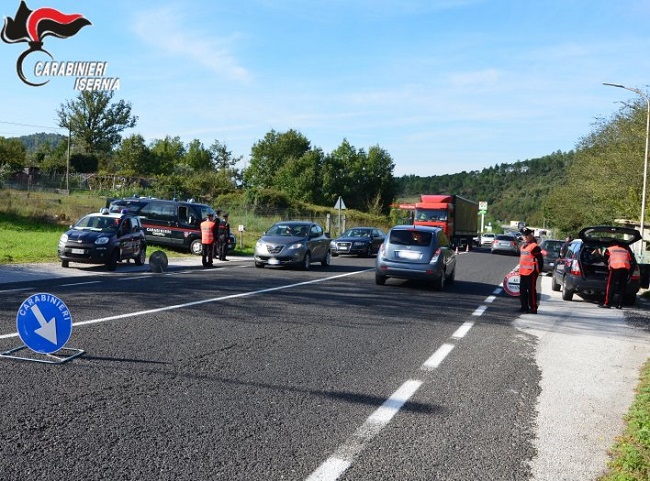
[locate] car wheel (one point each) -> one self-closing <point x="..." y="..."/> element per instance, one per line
<point x="452" y="277"/>
<point x="259" y="265"/>
<point x="113" y="260"/>
<point x="326" y="260"/>
<point x="142" y="257"/>
<point x="439" y="284"/>
<point x="380" y="280"/>
<point x="65" y="264"/>
<point x="554" y="285"/>
<point x="567" y="294"/>
<point x="196" y="247"/>
<point x="368" y="252"/>
<point x="306" y="261"/>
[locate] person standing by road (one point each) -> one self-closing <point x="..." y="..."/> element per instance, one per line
<point x="207" y="240"/>
<point x="619" y="262"/>
<point x="531" y="262"/>
<point x="224" y="237"/>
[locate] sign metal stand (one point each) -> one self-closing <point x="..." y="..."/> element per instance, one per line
<point x="44" y="324"/>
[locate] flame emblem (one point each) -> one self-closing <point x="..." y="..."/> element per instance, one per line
<point x="32" y="26"/>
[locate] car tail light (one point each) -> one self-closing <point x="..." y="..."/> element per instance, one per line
<point x="435" y="256"/>
<point x="636" y="274"/>
<point x="575" y="268"/>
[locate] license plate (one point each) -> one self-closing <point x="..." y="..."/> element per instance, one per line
<point x="410" y="255"/>
<point x="78" y="251"/>
<point x="273" y="262"/>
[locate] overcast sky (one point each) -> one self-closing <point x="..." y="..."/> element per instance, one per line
<point x="443" y="86"/>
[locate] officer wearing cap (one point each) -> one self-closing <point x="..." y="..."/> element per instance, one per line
<point x="531" y="262"/>
<point x="224" y="237"/>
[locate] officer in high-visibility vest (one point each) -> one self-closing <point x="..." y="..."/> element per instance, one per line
<point x="619" y="261"/>
<point x="531" y="262"/>
<point x="207" y="240"/>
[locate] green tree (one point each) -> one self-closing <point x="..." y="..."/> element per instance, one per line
<point x="168" y="155"/>
<point x="222" y="158"/>
<point x="300" y="178"/>
<point x="96" y="124"/>
<point x="270" y="154"/>
<point x="198" y="157"/>
<point x="133" y="157"/>
<point x="13" y="155"/>
<point x="604" y="182"/>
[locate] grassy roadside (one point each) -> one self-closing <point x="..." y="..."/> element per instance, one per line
<point x="630" y="456"/>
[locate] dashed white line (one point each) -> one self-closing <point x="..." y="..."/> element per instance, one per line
<point x="479" y="310"/>
<point x="437" y="357"/>
<point x="196" y="303"/>
<point x="463" y="330"/>
<point x="342" y="459"/>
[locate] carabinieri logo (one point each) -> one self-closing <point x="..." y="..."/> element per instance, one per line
<point x="32" y="26"/>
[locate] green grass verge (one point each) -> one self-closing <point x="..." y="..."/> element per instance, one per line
<point x="630" y="456"/>
<point x="26" y="240"/>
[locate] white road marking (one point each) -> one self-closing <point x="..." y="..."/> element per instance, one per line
<point x="479" y="310"/>
<point x="342" y="459"/>
<point x="463" y="330"/>
<point x="197" y="303"/>
<point x="437" y="357"/>
<point x="80" y="283"/>
<point x="17" y="290"/>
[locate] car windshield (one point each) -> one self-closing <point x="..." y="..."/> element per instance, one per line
<point x="410" y="237"/>
<point x="97" y="223"/>
<point x="430" y="214"/>
<point x="552" y="247"/>
<point x="289" y="230"/>
<point x="356" y="233"/>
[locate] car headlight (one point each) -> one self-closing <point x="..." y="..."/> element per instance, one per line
<point x="63" y="239"/>
<point x="297" y="245"/>
<point x="259" y="244"/>
<point x="359" y="244"/>
<point x="102" y="240"/>
<point x="332" y="244"/>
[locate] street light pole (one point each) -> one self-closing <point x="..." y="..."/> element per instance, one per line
<point x="645" y="163"/>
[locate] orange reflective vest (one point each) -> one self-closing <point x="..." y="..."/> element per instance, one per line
<point x="619" y="257"/>
<point x="527" y="261"/>
<point x="207" y="232"/>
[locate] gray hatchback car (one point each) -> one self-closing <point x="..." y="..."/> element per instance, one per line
<point x="296" y="243"/>
<point x="416" y="252"/>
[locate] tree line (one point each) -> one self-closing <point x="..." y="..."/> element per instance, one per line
<point x="599" y="182"/>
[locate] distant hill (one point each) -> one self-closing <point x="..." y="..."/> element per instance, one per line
<point x="33" y="142"/>
<point x="512" y="191"/>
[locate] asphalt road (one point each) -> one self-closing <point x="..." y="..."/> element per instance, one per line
<point x="238" y="373"/>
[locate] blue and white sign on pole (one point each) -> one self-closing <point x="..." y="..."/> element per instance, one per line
<point x="44" y="323"/>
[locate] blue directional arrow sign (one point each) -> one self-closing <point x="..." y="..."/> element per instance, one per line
<point x="44" y="323"/>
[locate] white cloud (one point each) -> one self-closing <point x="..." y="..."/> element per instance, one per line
<point x="169" y="31"/>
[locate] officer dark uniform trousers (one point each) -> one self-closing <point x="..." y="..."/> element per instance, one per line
<point x="530" y="265"/>
<point x="619" y="271"/>
<point x="207" y="240"/>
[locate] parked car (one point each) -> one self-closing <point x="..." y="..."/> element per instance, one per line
<point x="416" y="252"/>
<point x="360" y="241"/>
<point x="505" y="244"/>
<point x="582" y="269"/>
<point x="550" y="252"/>
<point x="169" y="223"/>
<point x="487" y="238"/>
<point x="104" y="238"/>
<point x="293" y="243"/>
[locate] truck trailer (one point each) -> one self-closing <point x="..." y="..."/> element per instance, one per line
<point x="456" y="215"/>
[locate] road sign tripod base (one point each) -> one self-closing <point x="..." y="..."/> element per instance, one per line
<point x="53" y="358"/>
